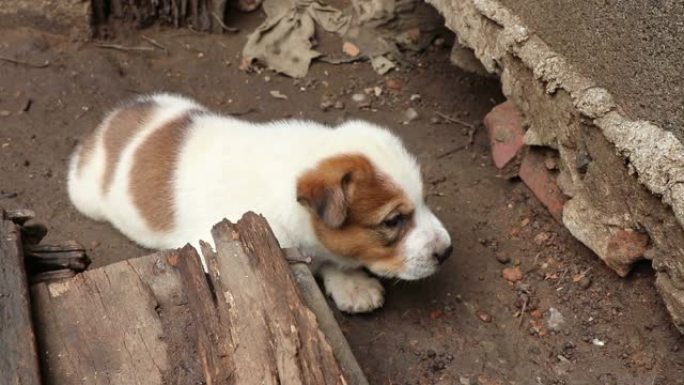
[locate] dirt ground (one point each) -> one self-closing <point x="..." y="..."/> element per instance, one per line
<point x="465" y="325"/>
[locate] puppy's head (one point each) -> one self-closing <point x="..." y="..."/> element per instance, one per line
<point x="374" y="213"/>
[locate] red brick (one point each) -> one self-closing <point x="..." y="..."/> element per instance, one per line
<point x="542" y="182"/>
<point x="504" y="126"/>
<point x="624" y="248"/>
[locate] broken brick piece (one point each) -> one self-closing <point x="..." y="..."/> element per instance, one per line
<point x="624" y="248"/>
<point x="504" y="126"/>
<point x="541" y="181"/>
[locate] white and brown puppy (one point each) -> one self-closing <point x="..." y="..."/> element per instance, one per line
<point x="163" y="170"/>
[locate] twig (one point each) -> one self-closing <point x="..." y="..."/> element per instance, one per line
<point x="523" y="310"/>
<point x="124" y="48"/>
<point x="225" y="27"/>
<point x="25" y="63"/>
<point x="452" y="151"/>
<point x="456" y="121"/>
<point x="243" y="112"/>
<point x="154" y="42"/>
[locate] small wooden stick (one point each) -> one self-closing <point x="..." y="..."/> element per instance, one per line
<point x="225" y="27"/>
<point x="154" y="42"/>
<point x="456" y="121"/>
<point x="452" y="151"/>
<point x="123" y="48"/>
<point x="25" y="63"/>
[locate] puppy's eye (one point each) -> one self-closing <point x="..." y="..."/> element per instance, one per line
<point x="394" y="221"/>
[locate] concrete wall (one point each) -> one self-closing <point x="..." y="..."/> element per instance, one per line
<point x="624" y="178"/>
<point x="634" y="48"/>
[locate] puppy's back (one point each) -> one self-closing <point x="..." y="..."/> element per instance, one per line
<point x="122" y="171"/>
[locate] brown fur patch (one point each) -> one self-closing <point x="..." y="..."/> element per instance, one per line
<point x="154" y="163"/>
<point x="123" y="125"/>
<point x="368" y="198"/>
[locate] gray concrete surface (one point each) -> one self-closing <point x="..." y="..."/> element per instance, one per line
<point x="633" y="48"/>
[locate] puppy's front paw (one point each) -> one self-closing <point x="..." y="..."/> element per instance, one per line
<point x="355" y="291"/>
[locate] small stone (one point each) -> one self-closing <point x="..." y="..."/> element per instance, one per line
<point x="502" y="258"/>
<point x="339" y="105"/>
<point x="326" y="104"/>
<point x="598" y="342"/>
<point x="359" y="97"/>
<point x="542" y="238"/>
<point x="556" y="319"/>
<point x="551" y="164"/>
<point x="393" y="84"/>
<point x="484" y="316"/>
<point x="5" y="113"/>
<point x="439" y="42"/>
<point x="435" y="120"/>
<point x="411" y="114"/>
<point x="278" y="95"/>
<point x="584" y="283"/>
<point x="377" y="91"/>
<point x="415" y="97"/>
<point x="536" y="314"/>
<point x="512" y="274"/>
<point x="431" y="353"/>
<point x="350" y="49"/>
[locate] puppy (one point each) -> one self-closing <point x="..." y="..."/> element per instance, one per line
<point x="163" y="170"/>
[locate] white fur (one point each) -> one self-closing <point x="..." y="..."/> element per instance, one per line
<point x="229" y="166"/>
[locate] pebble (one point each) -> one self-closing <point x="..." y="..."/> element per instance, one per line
<point x="550" y="164"/>
<point x="350" y="49"/>
<point x="326" y="104"/>
<point x="484" y="316"/>
<point x="415" y="97"/>
<point x="503" y="259"/>
<point x="512" y="274"/>
<point x="393" y="84"/>
<point x="556" y="319"/>
<point x="278" y="95"/>
<point x="542" y="237"/>
<point x="359" y="97"/>
<point x="584" y="283"/>
<point x="411" y="114"/>
<point x="431" y="353"/>
<point x="435" y="120"/>
<point x="339" y="105"/>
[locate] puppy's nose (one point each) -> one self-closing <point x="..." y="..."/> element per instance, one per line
<point x="441" y="257"/>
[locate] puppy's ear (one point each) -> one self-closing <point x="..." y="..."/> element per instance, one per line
<point x="325" y="194"/>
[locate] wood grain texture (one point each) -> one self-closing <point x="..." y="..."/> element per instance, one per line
<point x="18" y="358"/>
<point x="160" y="319"/>
<point x="277" y="339"/>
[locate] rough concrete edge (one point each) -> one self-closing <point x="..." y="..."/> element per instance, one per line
<point x="654" y="153"/>
<point x="315" y="300"/>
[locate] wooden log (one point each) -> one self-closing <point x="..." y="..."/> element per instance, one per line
<point x="18" y="358"/>
<point x="200" y="15"/>
<point x="275" y="335"/>
<point x="160" y="320"/>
